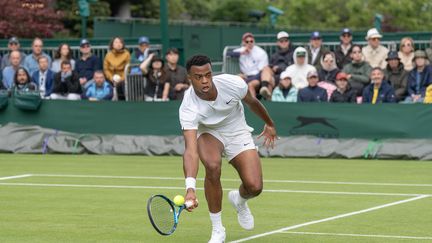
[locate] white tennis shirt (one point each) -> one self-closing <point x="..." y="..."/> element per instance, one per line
<point x="225" y="114"/>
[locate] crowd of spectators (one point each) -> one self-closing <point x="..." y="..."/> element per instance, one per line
<point x="349" y="72"/>
<point x="86" y="76"/>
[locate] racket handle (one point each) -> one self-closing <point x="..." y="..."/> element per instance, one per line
<point x="188" y="204"/>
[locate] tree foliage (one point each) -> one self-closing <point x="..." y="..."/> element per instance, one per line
<point x="29" y="18"/>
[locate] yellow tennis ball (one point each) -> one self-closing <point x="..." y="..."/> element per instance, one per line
<point x="179" y="200"/>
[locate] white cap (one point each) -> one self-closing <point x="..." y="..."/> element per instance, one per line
<point x="282" y="34"/>
<point x="373" y="33"/>
<point x="285" y="74"/>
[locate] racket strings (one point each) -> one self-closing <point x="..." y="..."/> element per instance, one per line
<point x="162" y="214"/>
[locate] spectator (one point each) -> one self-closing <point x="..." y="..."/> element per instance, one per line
<point x="141" y="53"/>
<point x="9" y="71"/>
<point x="406" y="53"/>
<point x="285" y="91"/>
<point x="115" y="63"/>
<point x="299" y="70"/>
<point x="31" y="61"/>
<point x="378" y="91"/>
<point x="396" y="75"/>
<point x="312" y="93"/>
<point x="315" y="49"/>
<point x="98" y="88"/>
<point x="283" y="57"/>
<point x="66" y="83"/>
<point x="343" y="92"/>
<point x="88" y="63"/>
<point x="177" y="74"/>
<point x="374" y="53"/>
<point x="13" y="45"/>
<point x="419" y="78"/>
<point x="358" y="70"/>
<point x="428" y="95"/>
<point x="63" y="53"/>
<point x="328" y="69"/>
<point x="158" y="85"/>
<point x="44" y="77"/>
<point x="342" y="52"/>
<point x="254" y="66"/>
<point x="22" y="81"/>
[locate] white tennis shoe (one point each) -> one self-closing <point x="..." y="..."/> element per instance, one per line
<point x="244" y="215"/>
<point x="218" y="236"/>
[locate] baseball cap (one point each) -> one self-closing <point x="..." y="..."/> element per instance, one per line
<point x="246" y="35"/>
<point x="84" y="42"/>
<point x="143" y="39"/>
<point x="312" y="74"/>
<point x="392" y="55"/>
<point x="342" y="76"/>
<point x="13" y="40"/>
<point x="282" y="34"/>
<point x="301" y="53"/>
<point x="285" y="74"/>
<point x="346" y="31"/>
<point x="315" y="35"/>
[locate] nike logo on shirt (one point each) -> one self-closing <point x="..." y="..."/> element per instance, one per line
<point x="229" y="101"/>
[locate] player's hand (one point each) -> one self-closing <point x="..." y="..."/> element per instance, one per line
<point x="191" y="196"/>
<point x="269" y="134"/>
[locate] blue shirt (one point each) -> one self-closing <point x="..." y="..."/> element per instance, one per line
<point x="31" y="63"/>
<point x="8" y="77"/>
<point x="105" y="92"/>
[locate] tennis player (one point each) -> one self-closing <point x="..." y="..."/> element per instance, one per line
<point x="213" y="122"/>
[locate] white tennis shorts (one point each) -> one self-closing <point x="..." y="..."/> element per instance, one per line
<point x="233" y="144"/>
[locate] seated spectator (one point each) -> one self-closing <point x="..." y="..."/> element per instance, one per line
<point x="22" y="81"/>
<point x="343" y="92"/>
<point x="98" y="88"/>
<point x="9" y="71"/>
<point x="141" y="53"/>
<point x="379" y="91"/>
<point x="63" y="53"/>
<point x="342" y="52"/>
<point x="328" y="69"/>
<point x="358" y="70"/>
<point x="66" y="83"/>
<point x="283" y="57"/>
<point x="396" y="75"/>
<point x="315" y="50"/>
<point x="312" y="93"/>
<point x="428" y="95"/>
<point x="13" y="45"/>
<point x="88" y="63"/>
<point x="299" y="70"/>
<point x="115" y="63"/>
<point x="44" y="77"/>
<point x="158" y="85"/>
<point x="177" y="74"/>
<point x="253" y="62"/>
<point x="374" y="53"/>
<point x="31" y="60"/>
<point x="419" y="78"/>
<point x="406" y="53"/>
<point x="285" y="91"/>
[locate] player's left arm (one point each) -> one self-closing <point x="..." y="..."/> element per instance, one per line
<point x="269" y="131"/>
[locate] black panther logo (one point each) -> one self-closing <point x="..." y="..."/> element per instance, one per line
<point x="303" y="129"/>
<point x="304" y="121"/>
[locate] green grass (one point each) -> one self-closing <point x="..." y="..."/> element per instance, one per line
<point x="38" y="212"/>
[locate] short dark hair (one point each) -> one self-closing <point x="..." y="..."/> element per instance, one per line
<point x="197" y="60"/>
<point x="65" y="62"/>
<point x="172" y="50"/>
<point x="355" y="45"/>
<point x="377" y="68"/>
<point x="111" y="44"/>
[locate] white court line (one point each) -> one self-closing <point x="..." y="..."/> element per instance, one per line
<point x="360" y="235"/>
<point x="330" y="218"/>
<point x="225" y="189"/>
<point x="237" y="180"/>
<point x="14" y="177"/>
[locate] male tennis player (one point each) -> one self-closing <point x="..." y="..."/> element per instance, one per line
<point x="213" y="122"/>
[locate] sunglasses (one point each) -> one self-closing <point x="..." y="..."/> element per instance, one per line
<point x="407" y="44"/>
<point x="85" y="46"/>
<point x="356" y="52"/>
<point x="375" y="39"/>
<point x="249" y="41"/>
<point x="283" y="40"/>
<point x="13" y="44"/>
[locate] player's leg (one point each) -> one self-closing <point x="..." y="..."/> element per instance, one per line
<point x="210" y="150"/>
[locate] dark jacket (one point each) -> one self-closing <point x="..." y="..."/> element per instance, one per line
<point x="312" y="94"/>
<point x="425" y="80"/>
<point x="341" y="58"/>
<point x="398" y="80"/>
<point x="88" y="67"/>
<point x="385" y="93"/>
<point x="349" y="96"/>
<point x="48" y="82"/>
<point x="360" y="73"/>
<point x="329" y="76"/>
<point x="282" y="59"/>
<point x="317" y="62"/>
<point x="69" y="85"/>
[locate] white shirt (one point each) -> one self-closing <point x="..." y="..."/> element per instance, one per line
<point x="42" y="82"/>
<point x="253" y="62"/>
<point x="225" y="114"/>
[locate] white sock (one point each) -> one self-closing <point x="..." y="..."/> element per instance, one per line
<point x="240" y="199"/>
<point x="216" y="220"/>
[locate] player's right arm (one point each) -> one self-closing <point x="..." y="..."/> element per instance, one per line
<point x="190" y="165"/>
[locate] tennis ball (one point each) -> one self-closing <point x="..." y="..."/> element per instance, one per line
<point x="179" y="200"/>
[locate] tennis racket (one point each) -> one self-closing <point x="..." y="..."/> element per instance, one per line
<point x="164" y="214"/>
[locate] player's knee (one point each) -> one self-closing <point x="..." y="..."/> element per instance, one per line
<point x="254" y="188"/>
<point x="213" y="170"/>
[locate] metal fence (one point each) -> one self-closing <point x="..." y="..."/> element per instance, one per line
<point x="135" y="83"/>
<point x="231" y="64"/>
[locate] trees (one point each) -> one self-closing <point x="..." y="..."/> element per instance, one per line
<point x="29" y="18"/>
